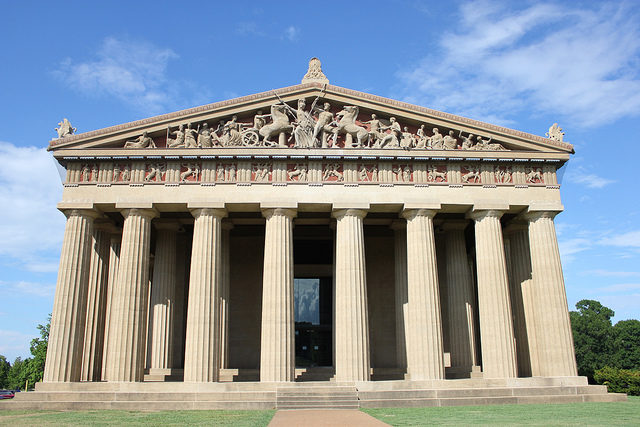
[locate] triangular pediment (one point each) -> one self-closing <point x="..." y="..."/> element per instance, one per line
<point x="264" y="123"/>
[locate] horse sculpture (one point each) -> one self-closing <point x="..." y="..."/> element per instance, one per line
<point x="279" y="125"/>
<point x="347" y="125"/>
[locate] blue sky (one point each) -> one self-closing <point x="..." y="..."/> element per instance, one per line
<point x="524" y="65"/>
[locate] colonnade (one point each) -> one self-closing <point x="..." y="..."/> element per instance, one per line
<point x="102" y="300"/>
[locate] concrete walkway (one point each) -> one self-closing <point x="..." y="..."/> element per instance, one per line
<point x="324" y="418"/>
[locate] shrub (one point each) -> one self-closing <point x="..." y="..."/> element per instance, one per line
<point x="619" y="380"/>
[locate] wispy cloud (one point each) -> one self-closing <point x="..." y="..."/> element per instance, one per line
<point x="13" y="343"/>
<point x="570" y="247"/>
<point x="608" y="273"/>
<point x="580" y="175"/>
<point x="628" y="239"/>
<point x="622" y="287"/>
<point x="292" y="33"/>
<point x="135" y="72"/>
<point x="30" y="185"/>
<point x="578" y="63"/>
<point x="29" y="288"/>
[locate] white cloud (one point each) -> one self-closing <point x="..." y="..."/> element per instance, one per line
<point x="580" y="175"/>
<point x="29" y="288"/>
<point x="570" y="247"/>
<point x="622" y="287"/>
<point x="578" y="63"/>
<point x="134" y="72"/>
<point x="629" y="239"/>
<point x="291" y="33"/>
<point x="607" y="273"/>
<point x="31" y="228"/>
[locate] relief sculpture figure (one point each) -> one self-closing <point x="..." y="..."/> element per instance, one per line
<point x="375" y="131"/>
<point x="422" y="138"/>
<point x="193" y="170"/>
<point x="143" y="141"/>
<point x="485" y="144"/>
<point x="555" y="133"/>
<point x="436" y="140"/>
<point x="472" y="176"/>
<point x="299" y="171"/>
<point x="190" y="137"/>
<point x="449" y="141"/>
<point x="204" y="137"/>
<point x="156" y="171"/>
<point x="178" y="141"/>
<point x="64" y="128"/>
<point x="347" y="125"/>
<point x="392" y="139"/>
<point x="534" y="176"/>
<point x="323" y="127"/>
<point x="303" y="132"/>
<point x="279" y="126"/>
<point x="332" y="170"/>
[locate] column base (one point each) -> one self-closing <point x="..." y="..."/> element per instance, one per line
<point x="163" y="375"/>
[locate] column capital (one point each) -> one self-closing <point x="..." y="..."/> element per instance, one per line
<point x="412" y="213"/>
<point x="456" y="224"/>
<point x="198" y="212"/>
<point x="145" y="212"/>
<point x="341" y="213"/>
<point x="288" y="212"/>
<point x="535" y="215"/>
<point x="485" y="213"/>
<point x="398" y="224"/>
<point x="89" y="213"/>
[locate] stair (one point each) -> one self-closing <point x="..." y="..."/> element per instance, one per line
<point x="318" y="397"/>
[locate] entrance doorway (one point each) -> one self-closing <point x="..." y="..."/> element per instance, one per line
<point x="313" y="321"/>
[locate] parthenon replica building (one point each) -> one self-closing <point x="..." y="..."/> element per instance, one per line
<point x="310" y="235"/>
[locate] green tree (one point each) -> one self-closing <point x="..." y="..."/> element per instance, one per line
<point x="592" y="336"/>
<point x="5" y="366"/>
<point x="626" y="344"/>
<point x="39" y="352"/>
<point x="17" y="376"/>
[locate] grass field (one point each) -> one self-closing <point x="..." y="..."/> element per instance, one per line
<point x="574" y="414"/>
<point x="571" y="414"/>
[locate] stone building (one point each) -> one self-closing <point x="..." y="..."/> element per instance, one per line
<point x="310" y="233"/>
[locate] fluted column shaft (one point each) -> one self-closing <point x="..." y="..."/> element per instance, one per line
<point x="461" y="298"/>
<point x="129" y="309"/>
<point x="114" y="261"/>
<point x="400" y="255"/>
<point x="64" y="353"/>
<point x="351" y="316"/>
<point x="277" y="351"/>
<point x="496" y="326"/>
<point x="96" y="305"/>
<point x="522" y="298"/>
<point x="162" y="304"/>
<point x="425" y="358"/>
<point x="224" y="295"/>
<point x="555" y="340"/>
<point x="203" y="317"/>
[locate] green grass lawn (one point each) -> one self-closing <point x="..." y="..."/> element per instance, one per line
<point x="136" y="418"/>
<point x="572" y="414"/>
<point x="576" y="414"/>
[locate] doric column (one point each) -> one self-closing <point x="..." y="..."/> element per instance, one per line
<point x="114" y="261"/>
<point x="129" y="309"/>
<point x="554" y="337"/>
<point x="96" y="303"/>
<point x="224" y="295"/>
<point x="400" y="249"/>
<point x="351" y="316"/>
<point x="203" y="305"/>
<point x="461" y="299"/>
<point x="162" y="304"/>
<point x="494" y="308"/>
<point x="64" y="353"/>
<point x="522" y="297"/>
<point x="425" y="358"/>
<point x="277" y="351"/>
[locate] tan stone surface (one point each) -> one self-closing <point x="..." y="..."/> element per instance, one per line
<point x="202" y="337"/>
<point x="400" y="259"/>
<point x="114" y="259"/>
<point x="129" y="306"/>
<point x="496" y="326"/>
<point x="277" y="358"/>
<point x="351" y="330"/>
<point x="425" y="358"/>
<point x="64" y="354"/>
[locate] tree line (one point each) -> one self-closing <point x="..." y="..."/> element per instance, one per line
<point x="27" y="372"/>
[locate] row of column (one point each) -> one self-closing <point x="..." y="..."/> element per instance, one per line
<point x="107" y="281"/>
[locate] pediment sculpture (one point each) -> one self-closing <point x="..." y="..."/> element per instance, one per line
<point x="319" y="126"/>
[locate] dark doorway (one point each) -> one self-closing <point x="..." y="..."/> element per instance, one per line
<point x="313" y="302"/>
